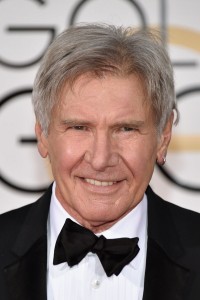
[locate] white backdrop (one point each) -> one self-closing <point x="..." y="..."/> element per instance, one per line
<point x="26" y="29"/>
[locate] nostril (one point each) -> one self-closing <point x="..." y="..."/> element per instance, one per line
<point x="101" y="156"/>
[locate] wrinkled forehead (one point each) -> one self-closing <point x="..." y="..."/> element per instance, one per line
<point x="76" y="84"/>
<point x="115" y="84"/>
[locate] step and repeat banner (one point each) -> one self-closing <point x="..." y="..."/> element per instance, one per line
<point x="27" y="27"/>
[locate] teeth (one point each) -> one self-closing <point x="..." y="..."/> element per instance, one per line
<point x="99" y="183"/>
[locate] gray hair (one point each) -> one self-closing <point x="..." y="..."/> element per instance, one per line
<point x="100" y="49"/>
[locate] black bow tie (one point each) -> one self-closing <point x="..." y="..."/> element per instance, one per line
<point x="75" y="241"/>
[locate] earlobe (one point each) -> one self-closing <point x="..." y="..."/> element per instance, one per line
<point x="164" y="141"/>
<point x="42" y="142"/>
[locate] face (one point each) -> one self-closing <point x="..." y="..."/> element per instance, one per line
<point x="102" y="145"/>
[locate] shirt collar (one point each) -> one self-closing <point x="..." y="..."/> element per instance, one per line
<point x="134" y="224"/>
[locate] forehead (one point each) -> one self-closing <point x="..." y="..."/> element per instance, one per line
<point x="100" y="93"/>
<point x="88" y="82"/>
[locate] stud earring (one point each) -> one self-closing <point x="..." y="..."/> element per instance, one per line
<point x="162" y="162"/>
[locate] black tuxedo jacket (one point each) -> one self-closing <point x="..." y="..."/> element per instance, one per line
<point x="173" y="252"/>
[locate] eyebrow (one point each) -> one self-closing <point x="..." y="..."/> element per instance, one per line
<point x="72" y="122"/>
<point x="128" y="123"/>
<point x="132" y="123"/>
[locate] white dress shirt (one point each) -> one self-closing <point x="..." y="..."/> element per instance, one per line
<point x="87" y="280"/>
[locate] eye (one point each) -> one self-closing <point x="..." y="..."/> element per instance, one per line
<point x="79" y="127"/>
<point x="126" y="128"/>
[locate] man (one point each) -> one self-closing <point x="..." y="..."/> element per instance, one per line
<point x="104" y="105"/>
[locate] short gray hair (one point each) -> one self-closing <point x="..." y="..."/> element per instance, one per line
<point x="98" y="49"/>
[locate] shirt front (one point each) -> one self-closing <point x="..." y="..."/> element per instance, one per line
<point x="88" y="280"/>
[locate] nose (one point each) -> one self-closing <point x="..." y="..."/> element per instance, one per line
<point x="102" y="153"/>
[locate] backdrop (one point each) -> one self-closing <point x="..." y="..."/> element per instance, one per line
<point x="26" y="30"/>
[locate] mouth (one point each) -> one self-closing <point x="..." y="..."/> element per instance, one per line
<point x="98" y="182"/>
<point x="102" y="187"/>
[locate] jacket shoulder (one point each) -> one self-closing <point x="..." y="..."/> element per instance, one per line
<point x="181" y="213"/>
<point x="31" y="217"/>
<point x="184" y="221"/>
<point x="11" y="223"/>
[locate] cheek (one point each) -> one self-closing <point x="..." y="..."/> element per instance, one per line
<point x="140" y="157"/>
<point x="65" y="156"/>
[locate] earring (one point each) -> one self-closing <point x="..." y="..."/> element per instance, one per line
<point x="163" y="161"/>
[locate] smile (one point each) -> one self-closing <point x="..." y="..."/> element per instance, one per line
<point x="99" y="183"/>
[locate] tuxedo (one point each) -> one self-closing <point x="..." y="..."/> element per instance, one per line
<point x="172" y="263"/>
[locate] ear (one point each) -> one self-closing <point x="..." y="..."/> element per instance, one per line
<point x="164" y="141"/>
<point x="42" y="142"/>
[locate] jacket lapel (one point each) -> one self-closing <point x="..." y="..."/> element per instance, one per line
<point x="26" y="277"/>
<point x="165" y="278"/>
<point x="25" y="273"/>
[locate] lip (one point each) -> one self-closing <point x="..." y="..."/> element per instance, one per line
<point x="100" y="182"/>
<point x="106" y="186"/>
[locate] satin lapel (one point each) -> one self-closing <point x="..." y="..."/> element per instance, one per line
<point x="25" y="274"/>
<point x="165" y="278"/>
